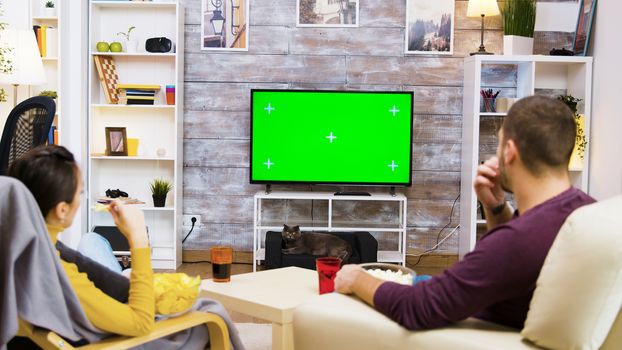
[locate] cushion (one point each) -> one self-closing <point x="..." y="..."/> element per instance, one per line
<point x="579" y="291"/>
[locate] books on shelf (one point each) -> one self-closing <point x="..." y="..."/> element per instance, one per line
<point x="47" y="40"/>
<point x="137" y="94"/>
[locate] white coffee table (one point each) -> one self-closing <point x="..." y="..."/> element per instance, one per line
<point x="271" y="295"/>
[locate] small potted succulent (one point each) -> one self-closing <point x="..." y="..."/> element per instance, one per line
<point x="159" y="189"/>
<point x="49" y="10"/>
<point x="131" y="43"/>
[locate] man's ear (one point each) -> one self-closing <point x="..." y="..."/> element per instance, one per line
<point x="510" y="152"/>
<point x="58" y="212"/>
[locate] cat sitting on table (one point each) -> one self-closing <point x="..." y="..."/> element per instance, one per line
<point x="322" y="244"/>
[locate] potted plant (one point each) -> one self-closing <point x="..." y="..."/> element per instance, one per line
<point x="50" y="10"/>
<point x="49" y="93"/>
<point x="130" y="42"/>
<point x="519" y="20"/>
<point x="159" y="189"/>
<point x="578" y="153"/>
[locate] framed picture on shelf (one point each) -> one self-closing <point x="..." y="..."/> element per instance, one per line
<point x="224" y="25"/>
<point x="327" y="13"/>
<point x="584" y="26"/>
<point x="430" y="27"/>
<point x="116" y="141"/>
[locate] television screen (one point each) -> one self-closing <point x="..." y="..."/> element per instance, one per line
<point x="335" y="137"/>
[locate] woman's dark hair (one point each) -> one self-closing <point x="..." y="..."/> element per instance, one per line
<point x="50" y="173"/>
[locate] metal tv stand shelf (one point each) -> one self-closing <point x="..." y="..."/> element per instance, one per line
<point x="262" y="225"/>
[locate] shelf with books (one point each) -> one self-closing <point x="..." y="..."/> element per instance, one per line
<point x="156" y="128"/>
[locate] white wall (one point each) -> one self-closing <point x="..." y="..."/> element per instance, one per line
<point x="606" y="133"/>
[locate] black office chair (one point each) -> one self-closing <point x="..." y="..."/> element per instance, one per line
<point x="26" y="127"/>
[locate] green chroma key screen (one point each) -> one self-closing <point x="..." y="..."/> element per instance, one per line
<point x="331" y="137"/>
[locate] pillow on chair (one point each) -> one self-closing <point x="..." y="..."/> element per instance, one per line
<point x="579" y="290"/>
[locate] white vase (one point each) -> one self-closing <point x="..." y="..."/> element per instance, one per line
<point x="517" y="45"/>
<point x="131" y="45"/>
<point x="49" y="12"/>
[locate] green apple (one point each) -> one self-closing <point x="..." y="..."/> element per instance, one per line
<point x="103" y="46"/>
<point x="116" y="46"/>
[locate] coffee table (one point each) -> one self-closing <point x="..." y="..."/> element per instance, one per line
<point x="270" y="295"/>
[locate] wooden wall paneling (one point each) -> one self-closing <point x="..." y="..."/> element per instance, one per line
<point x="216" y="153"/>
<point x="217" y="125"/>
<point x="265" y="40"/>
<point x="208" y="96"/>
<point x="341" y="41"/>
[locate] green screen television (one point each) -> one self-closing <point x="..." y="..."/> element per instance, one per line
<point x="331" y="137"/>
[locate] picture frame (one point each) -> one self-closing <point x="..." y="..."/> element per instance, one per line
<point x="225" y="25"/>
<point x="430" y="27"/>
<point x="327" y="13"/>
<point x="581" y="40"/>
<point x="116" y="141"/>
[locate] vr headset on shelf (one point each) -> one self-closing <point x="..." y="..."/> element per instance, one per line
<point x="158" y="45"/>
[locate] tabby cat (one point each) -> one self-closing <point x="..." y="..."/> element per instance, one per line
<point x="322" y="244"/>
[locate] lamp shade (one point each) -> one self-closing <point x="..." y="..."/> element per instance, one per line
<point x="476" y="8"/>
<point x="24" y="56"/>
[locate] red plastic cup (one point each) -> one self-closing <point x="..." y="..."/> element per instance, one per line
<point x="327" y="270"/>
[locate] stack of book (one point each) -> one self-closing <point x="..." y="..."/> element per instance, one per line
<point x="137" y="94"/>
<point x="47" y="40"/>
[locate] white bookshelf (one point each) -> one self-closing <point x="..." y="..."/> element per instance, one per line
<point x="261" y="225"/>
<point x="533" y="74"/>
<point x="158" y="126"/>
<point x="52" y="61"/>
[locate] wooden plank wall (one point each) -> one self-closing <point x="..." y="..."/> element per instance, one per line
<point x="216" y="117"/>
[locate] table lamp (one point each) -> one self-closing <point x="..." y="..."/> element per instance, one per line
<point x="25" y="60"/>
<point x="483" y="8"/>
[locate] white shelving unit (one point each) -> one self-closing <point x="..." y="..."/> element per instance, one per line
<point x="534" y="74"/>
<point x="262" y="225"/>
<point x="158" y="126"/>
<point x="52" y="61"/>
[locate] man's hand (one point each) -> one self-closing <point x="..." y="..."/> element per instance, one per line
<point x="487" y="184"/>
<point x="351" y="279"/>
<point x="346" y="277"/>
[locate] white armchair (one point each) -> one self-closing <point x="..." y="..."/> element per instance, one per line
<point x="576" y="304"/>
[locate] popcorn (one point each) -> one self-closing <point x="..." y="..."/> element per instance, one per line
<point x="175" y="292"/>
<point x="392" y="276"/>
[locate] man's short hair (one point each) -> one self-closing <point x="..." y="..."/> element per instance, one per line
<point x="544" y="130"/>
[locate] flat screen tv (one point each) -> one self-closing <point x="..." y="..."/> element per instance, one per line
<point x="331" y="137"/>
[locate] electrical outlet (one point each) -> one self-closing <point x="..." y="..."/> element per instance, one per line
<point x="187" y="220"/>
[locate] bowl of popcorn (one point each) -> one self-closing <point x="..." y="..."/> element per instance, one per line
<point x="390" y="272"/>
<point x="175" y="293"/>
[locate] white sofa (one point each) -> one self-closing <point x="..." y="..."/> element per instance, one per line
<point x="588" y="252"/>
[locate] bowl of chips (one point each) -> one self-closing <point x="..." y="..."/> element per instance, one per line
<point x="175" y="293"/>
<point x="390" y="272"/>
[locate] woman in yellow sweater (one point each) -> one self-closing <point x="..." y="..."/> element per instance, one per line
<point x="55" y="180"/>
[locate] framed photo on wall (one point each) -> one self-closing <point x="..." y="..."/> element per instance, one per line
<point x="584" y="26"/>
<point x="225" y="25"/>
<point x="430" y="27"/>
<point x="116" y="141"/>
<point x="327" y="13"/>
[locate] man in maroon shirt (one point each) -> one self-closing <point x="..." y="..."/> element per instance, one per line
<point x="496" y="280"/>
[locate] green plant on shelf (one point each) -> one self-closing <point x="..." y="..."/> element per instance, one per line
<point x="49" y="4"/>
<point x="160" y="187"/>
<point x="49" y="93"/>
<point x="127" y="34"/>
<point x="581" y="141"/>
<point x="519" y="17"/>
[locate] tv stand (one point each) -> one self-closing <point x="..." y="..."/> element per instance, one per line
<point x="328" y="221"/>
<point x="352" y="193"/>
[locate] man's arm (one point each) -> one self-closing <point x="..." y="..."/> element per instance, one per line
<point x="351" y="279"/>
<point x="498" y="215"/>
<point x="487" y="186"/>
